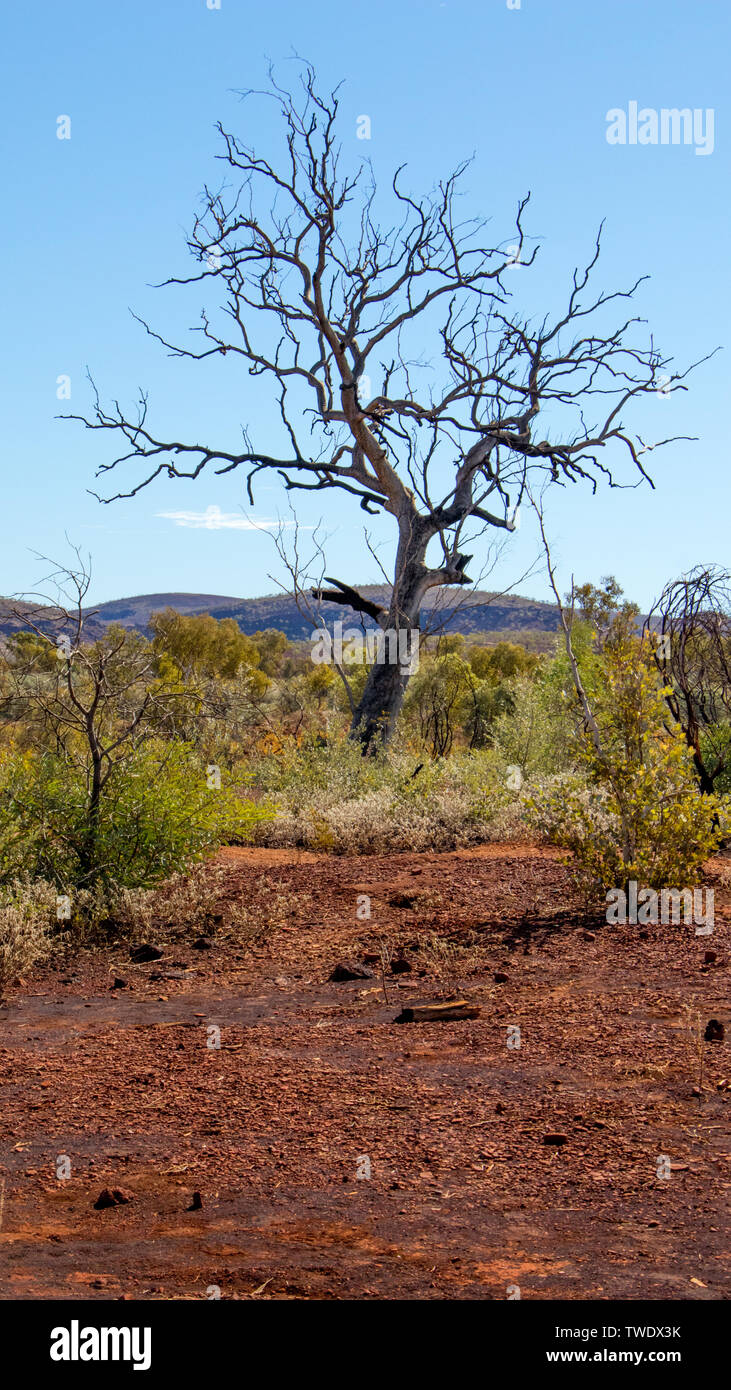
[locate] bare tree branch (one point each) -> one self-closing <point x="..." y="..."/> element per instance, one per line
<point x="333" y="309"/>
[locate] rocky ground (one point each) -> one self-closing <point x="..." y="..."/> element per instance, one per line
<point x="493" y="1167"/>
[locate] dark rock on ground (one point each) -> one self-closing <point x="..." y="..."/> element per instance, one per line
<point x="345" y="970"/>
<point x="113" y="1197"/>
<point x="141" y="955"/>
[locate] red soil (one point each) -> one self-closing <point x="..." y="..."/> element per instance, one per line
<point x="465" y="1196"/>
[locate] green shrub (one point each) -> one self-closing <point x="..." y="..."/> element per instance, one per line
<point x="535" y="734"/>
<point x="158" y="815"/>
<point x="633" y="811"/>
<point x="660" y="836"/>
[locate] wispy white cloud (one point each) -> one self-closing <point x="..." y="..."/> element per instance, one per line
<point x="213" y="519"/>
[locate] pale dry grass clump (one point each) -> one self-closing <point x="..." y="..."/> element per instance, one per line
<point x="197" y="903"/>
<point x="27" y="921"/>
<point x="722" y="873"/>
<point x="181" y="907"/>
<point x="381" y="823"/>
<point x="335" y="800"/>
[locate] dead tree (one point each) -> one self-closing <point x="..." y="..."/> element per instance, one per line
<point x="402" y="373"/>
<point x="690" y="629"/>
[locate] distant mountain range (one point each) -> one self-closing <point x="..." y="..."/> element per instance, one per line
<point x="495" y="616"/>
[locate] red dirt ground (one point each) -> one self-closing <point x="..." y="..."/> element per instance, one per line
<point x="465" y="1197"/>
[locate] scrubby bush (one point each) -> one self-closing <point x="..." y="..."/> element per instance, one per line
<point x="631" y="809"/>
<point x="534" y="733"/>
<point x="159" y="814"/>
<point x="329" y="797"/>
<point x="657" y="829"/>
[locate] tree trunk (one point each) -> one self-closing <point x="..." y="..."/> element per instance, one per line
<point x="375" y="718"/>
<point x="380" y="704"/>
<point x="88" y="852"/>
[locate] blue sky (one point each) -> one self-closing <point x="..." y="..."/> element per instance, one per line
<point x="92" y="222"/>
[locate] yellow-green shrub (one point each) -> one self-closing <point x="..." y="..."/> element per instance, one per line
<point x="633" y="810"/>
